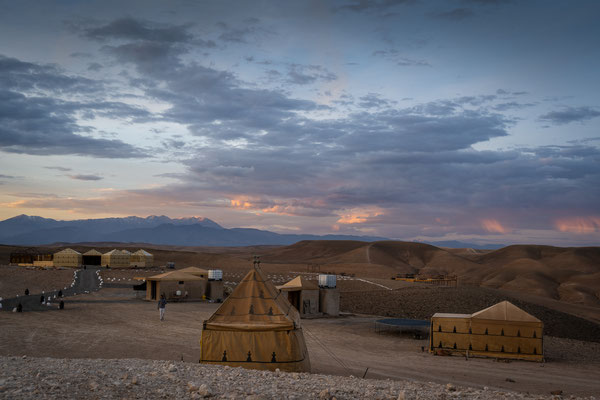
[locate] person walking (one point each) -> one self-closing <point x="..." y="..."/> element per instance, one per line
<point x="162" y="304"/>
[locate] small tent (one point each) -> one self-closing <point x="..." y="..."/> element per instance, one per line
<point x="255" y="327"/>
<point x="141" y="258"/>
<point x="502" y="330"/>
<point x="302" y="294"/>
<point x="67" y="258"/>
<point x="92" y="257"/>
<point x="175" y="285"/>
<point x="116" y="258"/>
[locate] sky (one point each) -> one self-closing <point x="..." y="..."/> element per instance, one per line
<point x="469" y="120"/>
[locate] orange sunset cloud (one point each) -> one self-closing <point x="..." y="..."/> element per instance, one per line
<point x="493" y="226"/>
<point x="581" y="225"/>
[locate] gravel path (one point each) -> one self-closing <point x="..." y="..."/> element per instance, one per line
<point x="84" y="281"/>
<point x="25" y="377"/>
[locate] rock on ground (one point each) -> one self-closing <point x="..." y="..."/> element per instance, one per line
<point x="26" y="377"/>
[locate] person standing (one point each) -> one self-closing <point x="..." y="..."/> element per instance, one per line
<point x="162" y="304"/>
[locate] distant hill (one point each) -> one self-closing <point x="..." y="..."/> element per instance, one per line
<point x="33" y="230"/>
<point x="571" y="274"/>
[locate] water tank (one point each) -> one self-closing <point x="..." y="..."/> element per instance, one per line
<point x="215" y="275"/>
<point x="327" y="281"/>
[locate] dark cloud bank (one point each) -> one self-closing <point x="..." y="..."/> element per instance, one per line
<point x="413" y="162"/>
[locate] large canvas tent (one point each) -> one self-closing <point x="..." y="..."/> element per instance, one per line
<point x="67" y="258"/>
<point x="255" y="327"/>
<point x="116" y="258"/>
<point x="92" y="257"/>
<point x="175" y="285"/>
<point x="302" y="294"/>
<point x="141" y="258"/>
<point x="502" y="330"/>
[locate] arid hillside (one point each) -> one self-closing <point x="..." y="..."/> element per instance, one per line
<point x="568" y="274"/>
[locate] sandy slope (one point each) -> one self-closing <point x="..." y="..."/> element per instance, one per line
<point x="566" y="274"/>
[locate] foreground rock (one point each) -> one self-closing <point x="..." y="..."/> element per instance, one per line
<point x="25" y="377"/>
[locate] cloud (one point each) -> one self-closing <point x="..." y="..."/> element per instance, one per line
<point x="493" y="226"/>
<point x="94" y="67"/>
<point x="259" y="152"/>
<point x="396" y="57"/>
<point x="129" y="28"/>
<point x="83" y="177"/>
<point x="579" y="225"/>
<point x="2" y="176"/>
<point x="457" y="14"/>
<point x="248" y="31"/>
<point x="25" y="76"/>
<point x="34" y="119"/>
<point x="374" y="100"/>
<point x="306" y="74"/>
<point x="372" y="5"/>
<point x="63" y="169"/>
<point x="570" y="114"/>
<point x="42" y="126"/>
<point x="512" y="105"/>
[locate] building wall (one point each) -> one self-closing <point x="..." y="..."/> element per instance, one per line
<point x="329" y="301"/>
<point x="67" y="260"/>
<point x="44" y="264"/>
<point x="309" y="302"/>
<point x="489" y="338"/>
<point x="214" y="290"/>
<point x="116" y="260"/>
<point x="195" y="289"/>
<point x="141" y="260"/>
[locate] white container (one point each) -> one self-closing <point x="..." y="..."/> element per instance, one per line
<point x="327" y="281"/>
<point x="215" y="274"/>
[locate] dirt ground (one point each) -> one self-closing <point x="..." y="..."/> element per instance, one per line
<point x="14" y="280"/>
<point x="112" y="324"/>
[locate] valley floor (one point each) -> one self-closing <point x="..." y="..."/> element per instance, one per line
<point x="111" y="324"/>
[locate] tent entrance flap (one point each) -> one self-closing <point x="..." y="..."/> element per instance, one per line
<point x="294" y="298"/>
<point x="153" y="290"/>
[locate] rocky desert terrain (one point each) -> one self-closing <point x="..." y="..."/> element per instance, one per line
<point x="109" y="343"/>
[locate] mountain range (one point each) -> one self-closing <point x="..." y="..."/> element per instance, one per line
<point x="34" y="230"/>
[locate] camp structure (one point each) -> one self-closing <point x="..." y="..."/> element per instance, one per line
<point x="67" y="258"/>
<point x="175" y="285"/>
<point x="256" y="327"/>
<point x="116" y="258"/>
<point x="141" y="258"/>
<point x="202" y="273"/>
<point x="302" y="294"/>
<point x="92" y="257"/>
<point x="31" y="257"/>
<point x="501" y="331"/>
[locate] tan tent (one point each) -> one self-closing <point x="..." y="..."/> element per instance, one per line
<point x="502" y="330"/>
<point x="141" y="258"/>
<point x="302" y="294"/>
<point x="116" y="258"/>
<point x="256" y="327"/>
<point x="203" y="273"/>
<point x="67" y="258"/>
<point x="175" y="285"/>
<point x="92" y="257"/>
